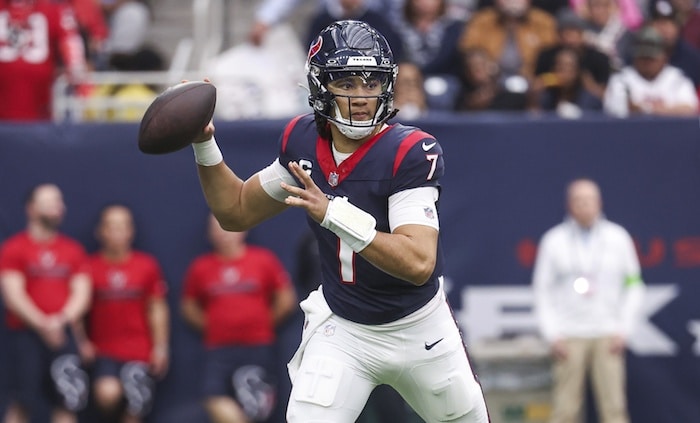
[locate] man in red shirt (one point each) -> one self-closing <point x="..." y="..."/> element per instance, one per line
<point x="128" y="322"/>
<point x="37" y="37"/>
<point x="236" y="295"/>
<point x="46" y="287"/>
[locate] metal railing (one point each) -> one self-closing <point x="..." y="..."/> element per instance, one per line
<point x="111" y="96"/>
<point x="96" y="97"/>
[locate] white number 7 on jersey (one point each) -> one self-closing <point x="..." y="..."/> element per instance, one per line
<point x="432" y="158"/>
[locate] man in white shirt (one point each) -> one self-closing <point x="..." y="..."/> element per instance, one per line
<point x="650" y="85"/>
<point x="588" y="293"/>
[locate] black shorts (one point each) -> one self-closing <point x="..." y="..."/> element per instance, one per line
<point x="40" y="378"/>
<point x="138" y="386"/>
<point x="244" y="373"/>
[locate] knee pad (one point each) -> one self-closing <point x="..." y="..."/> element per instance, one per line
<point x="254" y="391"/>
<point x="70" y="381"/>
<point x="138" y="387"/>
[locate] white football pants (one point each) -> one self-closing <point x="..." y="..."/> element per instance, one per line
<point x="422" y="356"/>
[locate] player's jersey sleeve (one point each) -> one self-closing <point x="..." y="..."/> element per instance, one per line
<point x="192" y="288"/>
<point x="156" y="283"/>
<point x="418" y="162"/>
<point x="278" y="276"/>
<point x="11" y="257"/>
<point x="79" y="259"/>
<point x="298" y="140"/>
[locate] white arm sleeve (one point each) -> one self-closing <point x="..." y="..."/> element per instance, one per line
<point x="272" y="176"/>
<point x="414" y="206"/>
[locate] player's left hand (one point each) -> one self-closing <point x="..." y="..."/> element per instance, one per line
<point x="310" y="197"/>
<point x="159" y="361"/>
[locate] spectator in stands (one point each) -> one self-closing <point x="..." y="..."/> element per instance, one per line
<point x="236" y="295"/>
<point x="93" y="27"/>
<point x="409" y="92"/>
<point x="629" y="11"/>
<point x="664" y="18"/>
<point x="271" y="12"/>
<point x="595" y="66"/>
<point x="606" y="31"/>
<point x="128" y="321"/>
<point x="39" y="40"/>
<point x="689" y="20"/>
<point x="126" y="102"/>
<point x="431" y="37"/>
<point x="550" y="6"/>
<point x="650" y="85"/>
<point x="588" y="296"/>
<point x="563" y="90"/>
<point x="357" y="10"/>
<point x="512" y="33"/>
<point x="45" y="285"/>
<point x="482" y="87"/>
<point x="129" y="25"/>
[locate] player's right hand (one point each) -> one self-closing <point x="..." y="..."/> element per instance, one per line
<point x="207" y="133"/>
<point x="52" y="331"/>
<point x="310" y="197"/>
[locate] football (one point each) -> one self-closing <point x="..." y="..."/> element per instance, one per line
<point x="176" y="117"/>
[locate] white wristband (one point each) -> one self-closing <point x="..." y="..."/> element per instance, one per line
<point x="353" y="225"/>
<point x="207" y="153"/>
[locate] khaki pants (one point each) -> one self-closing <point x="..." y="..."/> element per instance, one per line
<point x="607" y="373"/>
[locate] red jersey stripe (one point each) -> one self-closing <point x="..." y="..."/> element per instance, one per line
<point x="288" y="130"/>
<point x="406" y="145"/>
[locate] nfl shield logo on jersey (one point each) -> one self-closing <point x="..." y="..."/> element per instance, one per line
<point x="333" y="179"/>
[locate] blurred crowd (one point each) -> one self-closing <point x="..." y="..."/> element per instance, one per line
<point x="568" y="57"/>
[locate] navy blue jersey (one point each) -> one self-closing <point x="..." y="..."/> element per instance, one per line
<point x="392" y="161"/>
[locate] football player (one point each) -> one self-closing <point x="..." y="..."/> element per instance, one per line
<point x="370" y="190"/>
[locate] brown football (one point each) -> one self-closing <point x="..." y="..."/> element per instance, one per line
<point x="176" y="117"/>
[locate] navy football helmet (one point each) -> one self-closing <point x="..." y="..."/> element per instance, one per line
<point x="350" y="48"/>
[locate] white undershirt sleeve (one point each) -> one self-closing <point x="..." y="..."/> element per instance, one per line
<point x="414" y="206"/>
<point x="272" y="176"/>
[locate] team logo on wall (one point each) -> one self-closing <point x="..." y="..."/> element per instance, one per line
<point x="230" y="275"/>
